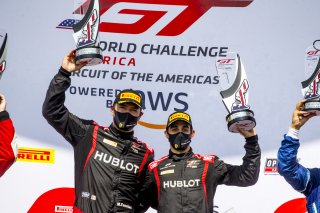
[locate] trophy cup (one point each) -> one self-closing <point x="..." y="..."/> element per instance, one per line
<point x="310" y="87"/>
<point x="3" y="51"/>
<point x="235" y="92"/>
<point x="86" y="33"/>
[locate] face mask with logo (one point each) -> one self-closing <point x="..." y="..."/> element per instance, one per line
<point x="125" y="121"/>
<point x="180" y="141"/>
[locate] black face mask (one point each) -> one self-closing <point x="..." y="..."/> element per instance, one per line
<point x="180" y="141"/>
<point x="125" y="121"/>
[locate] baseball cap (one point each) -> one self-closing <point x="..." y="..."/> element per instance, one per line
<point x="129" y="95"/>
<point x="179" y="116"/>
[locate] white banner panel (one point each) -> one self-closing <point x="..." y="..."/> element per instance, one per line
<point x="167" y="50"/>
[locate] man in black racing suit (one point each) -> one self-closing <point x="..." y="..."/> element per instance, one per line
<point x="185" y="182"/>
<point x="110" y="163"/>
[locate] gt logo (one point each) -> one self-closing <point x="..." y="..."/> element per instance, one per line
<point x="172" y="17"/>
<point x="225" y="61"/>
<point x="313" y="52"/>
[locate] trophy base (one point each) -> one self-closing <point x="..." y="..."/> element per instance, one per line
<point x="312" y="106"/>
<point x="90" y="55"/>
<point x="241" y="119"/>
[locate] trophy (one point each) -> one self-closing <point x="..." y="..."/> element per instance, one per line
<point x="3" y="51"/>
<point x="235" y="92"/>
<point x="310" y="87"/>
<point x="86" y="32"/>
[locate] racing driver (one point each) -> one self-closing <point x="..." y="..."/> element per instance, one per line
<point x="110" y="163"/>
<point x="187" y="182"/>
<point x="302" y="179"/>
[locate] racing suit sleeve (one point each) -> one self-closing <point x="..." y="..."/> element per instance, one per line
<point x="72" y="128"/>
<point x="295" y="174"/>
<point x="8" y="147"/>
<point x="246" y="174"/>
<point x="148" y="193"/>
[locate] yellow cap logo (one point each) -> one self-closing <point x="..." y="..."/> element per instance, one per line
<point x="130" y="95"/>
<point x="179" y="115"/>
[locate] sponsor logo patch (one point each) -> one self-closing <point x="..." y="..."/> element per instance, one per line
<point x="129" y="95"/>
<point x="168" y="165"/>
<point x="179" y="115"/>
<point x="181" y="183"/>
<point x="85" y="194"/>
<point x="59" y="209"/>
<point x="193" y="163"/>
<point x="127" y="206"/>
<point x="36" y="155"/>
<point x="109" y="142"/>
<point x="136" y="147"/>
<point x="115" y="162"/>
<point x="170" y="171"/>
<point x="271" y="167"/>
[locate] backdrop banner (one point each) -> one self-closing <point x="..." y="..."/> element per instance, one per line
<point x="167" y="50"/>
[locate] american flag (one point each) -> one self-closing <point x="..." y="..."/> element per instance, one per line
<point x="67" y="23"/>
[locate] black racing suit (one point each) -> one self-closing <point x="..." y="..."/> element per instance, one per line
<point x="187" y="183"/>
<point x="110" y="167"/>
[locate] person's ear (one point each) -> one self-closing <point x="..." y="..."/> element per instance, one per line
<point x="166" y="134"/>
<point x="112" y="111"/>
<point x="192" y="133"/>
<point x="141" y="113"/>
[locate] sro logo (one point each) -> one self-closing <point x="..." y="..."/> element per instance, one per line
<point x="138" y="16"/>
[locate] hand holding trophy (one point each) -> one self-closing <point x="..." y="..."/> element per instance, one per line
<point x="86" y="33"/>
<point x="3" y="51"/>
<point x="235" y="93"/>
<point x="310" y="87"/>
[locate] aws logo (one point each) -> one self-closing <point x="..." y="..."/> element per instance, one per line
<point x="161" y="102"/>
<point x="163" y="17"/>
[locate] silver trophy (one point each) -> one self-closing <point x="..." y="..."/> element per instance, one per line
<point x="3" y="51"/>
<point x="235" y="92"/>
<point x="86" y="32"/>
<point x="310" y="87"/>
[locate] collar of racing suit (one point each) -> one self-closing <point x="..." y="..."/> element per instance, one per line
<point x="122" y="135"/>
<point x="177" y="157"/>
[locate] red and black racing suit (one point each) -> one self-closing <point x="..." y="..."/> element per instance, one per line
<point x="187" y="183"/>
<point x="110" y="167"/>
<point x="8" y="146"/>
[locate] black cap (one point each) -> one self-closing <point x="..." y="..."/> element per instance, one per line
<point x="129" y="95"/>
<point x="179" y="116"/>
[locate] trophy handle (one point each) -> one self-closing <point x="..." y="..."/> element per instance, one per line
<point x="3" y="53"/>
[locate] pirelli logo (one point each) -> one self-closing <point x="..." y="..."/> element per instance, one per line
<point x="179" y="115"/>
<point x="130" y="95"/>
<point x="63" y="209"/>
<point x="36" y="155"/>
